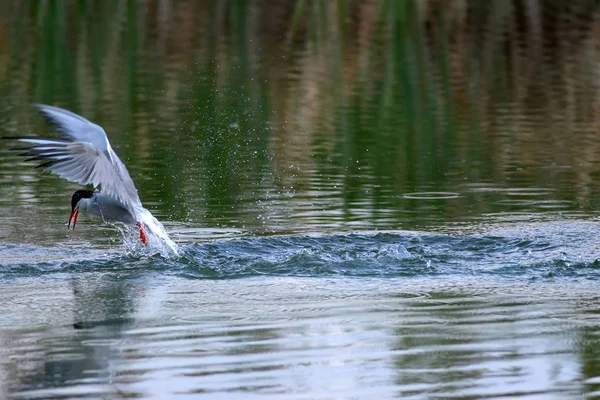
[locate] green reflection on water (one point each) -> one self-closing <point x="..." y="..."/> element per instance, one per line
<point x="318" y="115"/>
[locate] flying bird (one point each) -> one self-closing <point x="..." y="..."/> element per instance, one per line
<point x="83" y="154"/>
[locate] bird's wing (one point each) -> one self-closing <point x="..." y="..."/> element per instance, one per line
<point x="74" y="127"/>
<point x="82" y="155"/>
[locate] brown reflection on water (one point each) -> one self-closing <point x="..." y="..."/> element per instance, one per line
<point x="219" y="106"/>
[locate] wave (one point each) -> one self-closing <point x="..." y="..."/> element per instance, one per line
<point x="404" y="254"/>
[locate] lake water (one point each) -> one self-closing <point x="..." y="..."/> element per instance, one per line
<point x="372" y="200"/>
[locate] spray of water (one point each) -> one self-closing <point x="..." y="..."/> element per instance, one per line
<point x="155" y="244"/>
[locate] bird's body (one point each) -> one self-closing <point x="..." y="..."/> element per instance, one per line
<point x="83" y="154"/>
<point x="107" y="208"/>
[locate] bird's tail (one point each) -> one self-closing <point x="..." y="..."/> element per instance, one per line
<point x="156" y="229"/>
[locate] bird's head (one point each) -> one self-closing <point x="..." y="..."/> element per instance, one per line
<point x="78" y="196"/>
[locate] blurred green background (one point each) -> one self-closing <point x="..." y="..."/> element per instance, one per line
<point x="278" y="116"/>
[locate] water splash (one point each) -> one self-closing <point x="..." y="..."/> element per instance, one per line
<point x="155" y="244"/>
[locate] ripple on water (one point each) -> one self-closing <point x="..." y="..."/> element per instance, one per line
<point x="298" y="337"/>
<point x="554" y="250"/>
<point x="431" y="195"/>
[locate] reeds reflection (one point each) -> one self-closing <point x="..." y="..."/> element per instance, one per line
<point x="329" y="112"/>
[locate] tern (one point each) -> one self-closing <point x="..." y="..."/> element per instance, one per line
<point x="83" y="154"/>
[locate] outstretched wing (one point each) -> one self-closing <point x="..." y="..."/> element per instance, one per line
<point x="82" y="154"/>
<point x="74" y="127"/>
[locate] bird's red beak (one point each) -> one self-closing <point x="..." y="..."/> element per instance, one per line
<point x="73" y="217"/>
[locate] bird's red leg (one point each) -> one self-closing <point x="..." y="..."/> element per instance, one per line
<point x="142" y="234"/>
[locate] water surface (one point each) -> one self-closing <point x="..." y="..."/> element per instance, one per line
<point x="373" y="200"/>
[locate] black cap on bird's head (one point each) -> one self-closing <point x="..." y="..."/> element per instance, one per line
<point x="78" y="195"/>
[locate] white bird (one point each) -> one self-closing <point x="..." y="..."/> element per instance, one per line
<point x="82" y="154"/>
